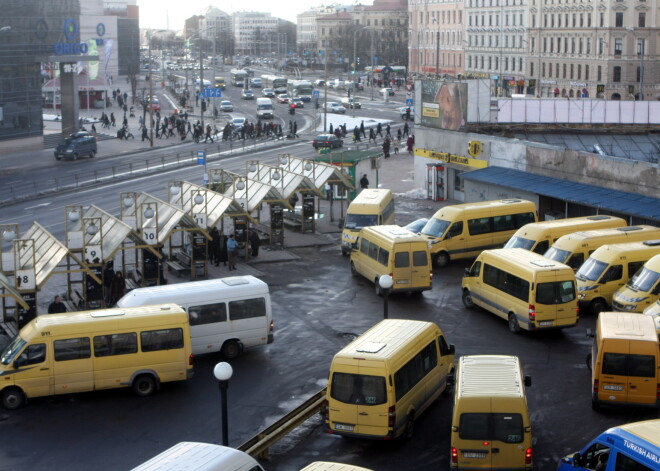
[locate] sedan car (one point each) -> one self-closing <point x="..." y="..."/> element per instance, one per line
<point x="387" y="90"/>
<point x="268" y="93"/>
<point x="155" y="105"/>
<point x="404" y="112"/>
<point x="238" y="123"/>
<point x="334" y="107"/>
<point x="247" y="94"/>
<point x="351" y="103"/>
<point x="327" y="140"/>
<point x="225" y="105"/>
<point x="283" y="98"/>
<point x="298" y="102"/>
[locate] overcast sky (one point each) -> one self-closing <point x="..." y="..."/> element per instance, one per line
<point x="154" y="13"/>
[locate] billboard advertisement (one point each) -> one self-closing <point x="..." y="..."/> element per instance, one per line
<point x="444" y="104"/>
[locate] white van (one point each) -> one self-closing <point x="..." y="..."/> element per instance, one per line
<point x="192" y="456"/>
<point x="264" y="108"/>
<point x="226" y="315"/>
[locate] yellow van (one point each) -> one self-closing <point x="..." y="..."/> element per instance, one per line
<point x="383" y="380"/>
<point x="539" y="236"/>
<point x="91" y="350"/>
<point x="641" y="291"/>
<point x="573" y="249"/>
<point x="371" y="207"/>
<point x="394" y="251"/>
<point x="527" y="289"/>
<point x="464" y="230"/>
<point x="491" y="428"/>
<point x="624" y="360"/>
<point x="608" y="269"/>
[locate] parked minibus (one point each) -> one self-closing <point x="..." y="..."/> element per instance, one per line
<point x="465" y="230"/>
<point x="491" y="428"/>
<point x="653" y="311"/>
<point x="371" y="207"/>
<point x="393" y="251"/>
<point x="328" y="466"/>
<point x="523" y="287"/>
<point x="573" y="249"/>
<point x="634" y="447"/>
<point x="193" y="456"/>
<point x="624" y="360"/>
<point x="641" y="291"/>
<point x="91" y="350"/>
<point x="227" y="315"/>
<point x="382" y="381"/>
<point x="608" y="269"/>
<point x="539" y="236"/>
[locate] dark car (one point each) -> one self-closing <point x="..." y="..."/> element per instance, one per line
<point x="76" y="145"/>
<point x="248" y="94"/>
<point x="327" y="140"/>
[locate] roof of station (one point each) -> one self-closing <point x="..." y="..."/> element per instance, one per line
<point x="250" y="193"/>
<point x="215" y="205"/>
<point x="319" y="173"/>
<point x="286" y="181"/>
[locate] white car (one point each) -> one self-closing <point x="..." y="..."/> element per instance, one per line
<point x="225" y="105"/>
<point x="238" y="123"/>
<point x="334" y="107"/>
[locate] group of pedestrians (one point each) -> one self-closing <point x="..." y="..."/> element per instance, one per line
<point x="224" y="249"/>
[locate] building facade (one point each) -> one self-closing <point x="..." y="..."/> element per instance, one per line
<point x="254" y="33"/>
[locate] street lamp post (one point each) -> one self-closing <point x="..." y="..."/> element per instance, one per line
<point x="355" y="88"/>
<point x="325" y="92"/>
<point x="373" y="65"/>
<point x="385" y="283"/>
<point x="201" y="83"/>
<point x="222" y="373"/>
<point x="151" y="91"/>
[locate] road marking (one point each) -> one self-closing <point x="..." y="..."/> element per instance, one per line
<point x="38" y="206"/>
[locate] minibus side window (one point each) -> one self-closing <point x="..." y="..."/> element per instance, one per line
<point x="401" y="260"/>
<point x="415" y="370"/>
<point x="444" y="347"/>
<point x="115" y="344"/>
<point x="575" y="261"/>
<point x="420" y="258"/>
<point x="358" y="389"/>
<point x="455" y="229"/>
<point x="383" y="257"/>
<point x="541" y="247"/>
<point x="615" y="272"/>
<point x="504" y="223"/>
<point x="164" y="339"/>
<point x="524" y="218"/>
<point x="72" y="349"/>
<point x="247" y="308"/>
<point x="389" y="209"/>
<point x="373" y="251"/>
<point x="475" y="270"/>
<point x="506" y="282"/>
<point x="633" y="267"/>
<point x="32" y="355"/>
<point x="207" y="314"/>
<point x="641" y="366"/>
<point x="625" y="463"/>
<point x="364" y="246"/>
<point x="480" y="226"/>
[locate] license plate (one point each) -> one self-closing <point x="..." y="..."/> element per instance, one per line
<point x="348" y="428"/>
<point x="612" y="387"/>
<point x="474" y="454"/>
<point x="545" y="323"/>
<point x="402" y="282"/>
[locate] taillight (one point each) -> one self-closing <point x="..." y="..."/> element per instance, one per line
<point x="272" y="326"/>
<point x="325" y="410"/>
<point x="532" y="313"/>
<point x="391" y="417"/>
<point x="454" y="455"/>
<point x="657" y="394"/>
<point x="596" y="387"/>
<point x="191" y="359"/>
<point x="528" y="456"/>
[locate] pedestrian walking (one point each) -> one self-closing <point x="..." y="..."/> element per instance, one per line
<point x="396" y="143"/>
<point x="410" y="143"/>
<point x="362" y="131"/>
<point x="232" y="251"/>
<point x="118" y="288"/>
<point x="387" y="131"/>
<point x="356" y="134"/>
<point x="398" y="134"/>
<point x="112" y="119"/>
<point x="386" y="148"/>
<point x="406" y="129"/>
<point x="208" y="133"/>
<point x="372" y="135"/>
<point x="379" y="130"/>
<point x="144" y="134"/>
<point x="255" y="242"/>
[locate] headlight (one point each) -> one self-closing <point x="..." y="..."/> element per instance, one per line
<point x="581" y="296"/>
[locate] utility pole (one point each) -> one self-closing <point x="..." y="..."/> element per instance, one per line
<point x="201" y="81"/>
<point x="373" y="65"/>
<point x="150" y="99"/>
<point x="325" y="92"/>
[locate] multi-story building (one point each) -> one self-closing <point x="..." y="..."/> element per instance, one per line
<point x="307" y="36"/>
<point x="388" y="19"/>
<point x="254" y="32"/>
<point x="606" y="49"/>
<point x="335" y="36"/>
<point x="436" y="37"/>
<point x="216" y="27"/>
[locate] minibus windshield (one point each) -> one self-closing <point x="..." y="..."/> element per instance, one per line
<point x="358" y="389"/>
<point x="358" y="221"/>
<point x="644" y="280"/>
<point x="591" y="270"/>
<point x="435" y="227"/>
<point x="10" y="352"/>
<point x="519" y="243"/>
<point x="557" y="255"/>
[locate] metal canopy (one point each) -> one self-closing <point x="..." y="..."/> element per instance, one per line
<point x="48" y="253"/>
<point x="319" y="173"/>
<point x="250" y="193"/>
<point x="11" y="291"/>
<point x="151" y="213"/>
<point x="213" y="204"/>
<point x="287" y="182"/>
<point x="111" y="233"/>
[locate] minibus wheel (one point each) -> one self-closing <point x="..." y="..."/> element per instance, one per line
<point x="514" y="327"/>
<point x="442" y="259"/>
<point x="597" y="306"/>
<point x="410" y="427"/>
<point x="595" y="403"/>
<point x="144" y="385"/>
<point x="231" y="349"/>
<point x="467" y="299"/>
<point x="12" y="398"/>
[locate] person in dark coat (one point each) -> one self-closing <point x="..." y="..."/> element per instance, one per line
<point x="386" y="147"/>
<point x="253" y="237"/>
<point x="222" y="250"/>
<point x="56" y="306"/>
<point x="364" y="181"/>
<point x="214" y="246"/>
<point x="118" y="288"/>
<point x="108" y="276"/>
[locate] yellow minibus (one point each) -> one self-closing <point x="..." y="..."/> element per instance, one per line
<point x="539" y="236"/>
<point x="624" y="360"/>
<point x="641" y="291"/>
<point x="393" y="251"/>
<point x="523" y="287"/>
<point x="491" y="428"/>
<point x="608" y="269"/>
<point x="91" y="350"/>
<point x="464" y="230"/>
<point x="573" y="249"/>
<point x="383" y="380"/>
<point x="371" y="207"/>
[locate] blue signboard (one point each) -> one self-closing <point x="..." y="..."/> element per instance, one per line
<point x="212" y="93"/>
<point x="201" y="157"/>
<point x="409" y="101"/>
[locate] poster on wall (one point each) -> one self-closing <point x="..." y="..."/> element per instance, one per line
<point x="444" y="104"/>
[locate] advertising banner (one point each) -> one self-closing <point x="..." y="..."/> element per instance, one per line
<point x="444" y="104"/>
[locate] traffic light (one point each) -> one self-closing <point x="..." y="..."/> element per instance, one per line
<point x="358" y="60"/>
<point x="203" y="106"/>
<point x="292" y="109"/>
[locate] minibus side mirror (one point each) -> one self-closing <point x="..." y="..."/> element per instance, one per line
<point x="590" y="333"/>
<point x="528" y="380"/>
<point x="467" y="272"/>
<point x="451" y="379"/>
<point x="452" y="349"/>
<point x="577" y="457"/>
<point x="454" y="428"/>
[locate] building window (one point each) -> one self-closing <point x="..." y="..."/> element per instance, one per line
<point x="641" y="22"/>
<point x="534" y="21"/>
<point x="531" y="69"/>
<point x="638" y="73"/>
<point x="599" y="73"/>
<point x="640" y="47"/>
<point x="586" y="72"/>
<point x="579" y="71"/>
<point x="572" y="45"/>
<point x="602" y="20"/>
<point x="571" y="72"/>
<point x="543" y="69"/>
<point x="616" y="74"/>
<point x="618" y="46"/>
<point x="618" y="22"/>
<point x="588" y="20"/>
<point x="581" y="20"/>
<point x="564" y="69"/>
